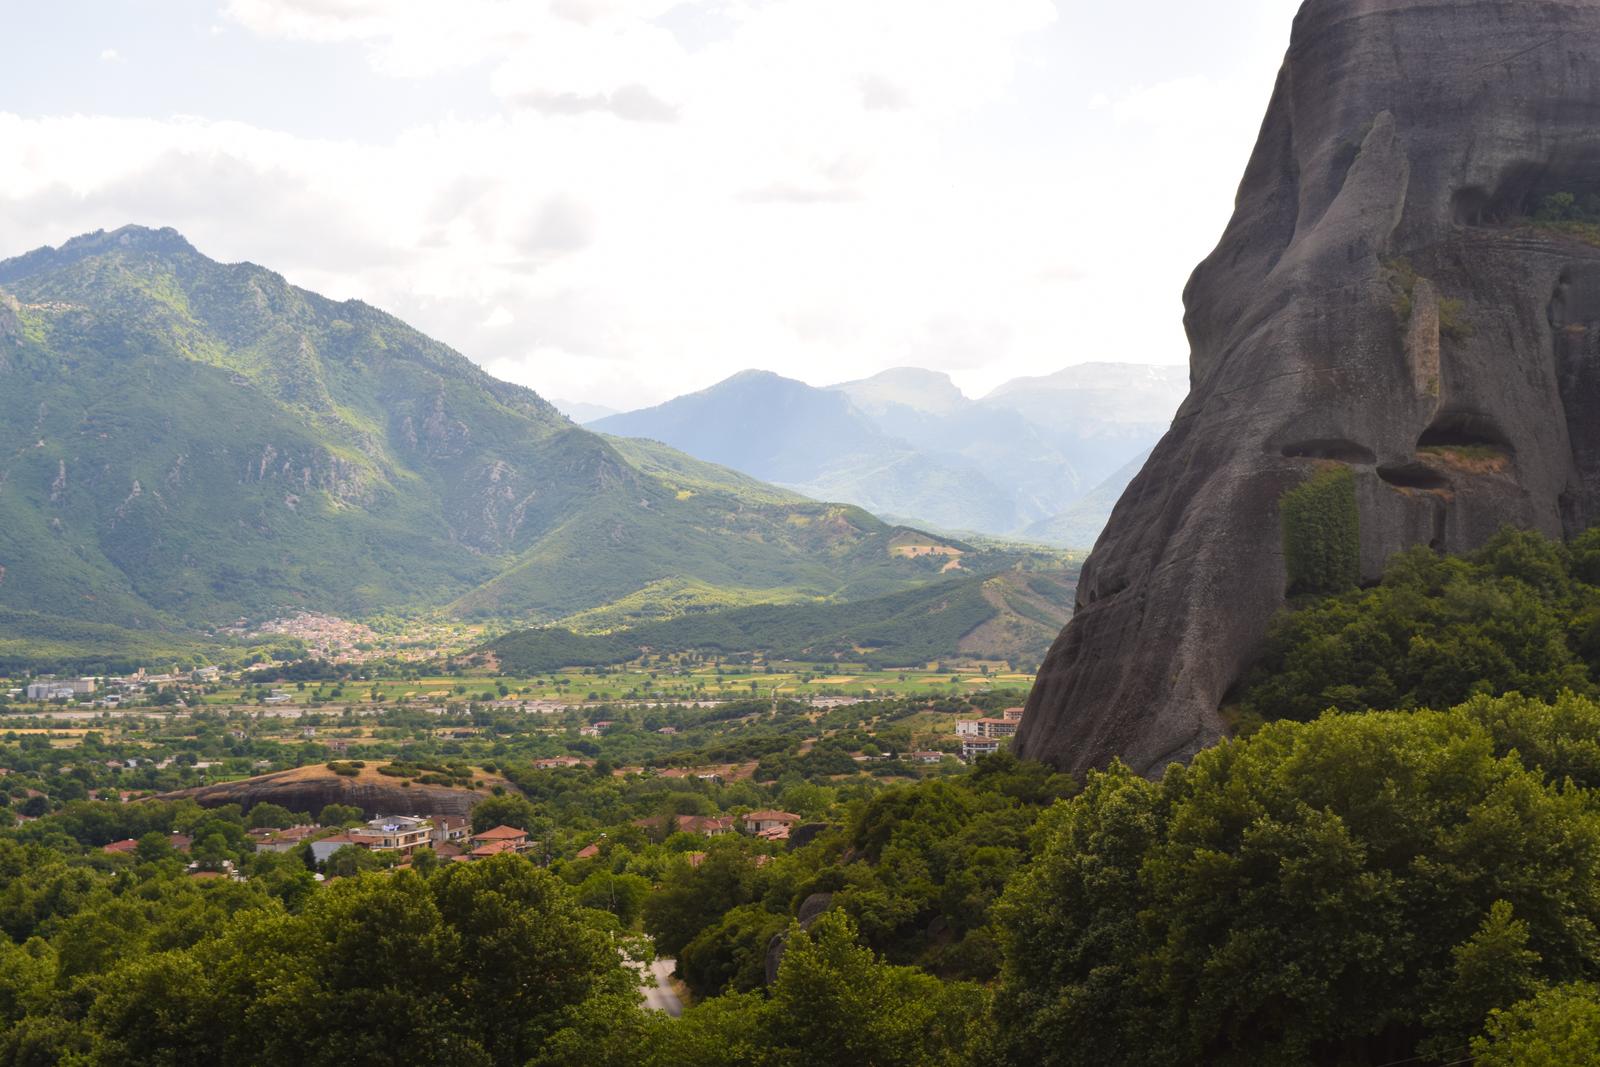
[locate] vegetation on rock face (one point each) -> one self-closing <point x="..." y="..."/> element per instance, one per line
<point x="1566" y="213"/>
<point x="1322" y="532"/>
<point x="1522" y="613"/>
<point x="1402" y="279"/>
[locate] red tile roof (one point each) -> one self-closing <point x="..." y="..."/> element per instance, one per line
<point x="127" y="844"/>
<point x="772" y="816"/>
<point x="492" y="848"/>
<point x="501" y="833"/>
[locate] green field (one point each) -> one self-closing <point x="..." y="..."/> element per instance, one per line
<point x="635" y="682"/>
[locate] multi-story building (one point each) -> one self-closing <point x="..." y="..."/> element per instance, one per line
<point x="973" y="747"/>
<point x="393" y="833"/>
<point x="449" y="829"/>
<point x="1006" y="727"/>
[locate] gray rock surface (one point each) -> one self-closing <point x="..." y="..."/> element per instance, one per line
<point x="1380" y="300"/>
<point x="810" y="910"/>
<point x="312" y="790"/>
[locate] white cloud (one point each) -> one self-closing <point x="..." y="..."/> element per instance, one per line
<point x="110" y="55"/>
<point x="669" y="192"/>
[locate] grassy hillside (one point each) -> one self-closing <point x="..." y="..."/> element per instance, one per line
<point x="1013" y="615"/>
<point x="191" y="443"/>
<point x="30" y="641"/>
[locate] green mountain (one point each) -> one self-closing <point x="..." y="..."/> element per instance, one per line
<point x="188" y="443"/>
<point x="1012" y="615"/>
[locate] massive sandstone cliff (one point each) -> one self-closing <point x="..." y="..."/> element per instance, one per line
<point x="1381" y="302"/>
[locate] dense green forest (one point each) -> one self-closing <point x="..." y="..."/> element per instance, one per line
<point x="1265" y="904"/>
<point x="1410" y="876"/>
<point x="1521" y="614"/>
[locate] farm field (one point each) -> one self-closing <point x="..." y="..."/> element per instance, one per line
<point x="638" y="682"/>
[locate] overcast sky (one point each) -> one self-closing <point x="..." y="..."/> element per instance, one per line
<point x="618" y="201"/>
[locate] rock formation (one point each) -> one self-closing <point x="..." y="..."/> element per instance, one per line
<point x="1404" y="293"/>
<point x="314" y="788"/>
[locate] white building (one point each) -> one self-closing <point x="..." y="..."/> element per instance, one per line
<point x="394" y="833"/>
<point x="986" y="727"/>
<point x="973" y="747"/>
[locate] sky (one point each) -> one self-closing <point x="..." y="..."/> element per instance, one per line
<point x="619" y="201"/>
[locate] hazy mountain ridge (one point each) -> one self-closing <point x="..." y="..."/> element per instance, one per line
<point x="1031" y="459"/>
<point x="191" y="442"/>
<point x="582" y="413"/>
<point x="816" y="442"/>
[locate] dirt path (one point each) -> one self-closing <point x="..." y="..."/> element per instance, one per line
<point x="662" y="996"/>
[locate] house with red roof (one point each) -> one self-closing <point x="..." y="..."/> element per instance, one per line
<point x="450" y="829"/>
<point x="500" y="840"/>
<point x="759" y="821"/>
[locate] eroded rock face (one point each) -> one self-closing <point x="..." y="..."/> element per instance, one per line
<point x="299" y="791"/>
<point x="1381" y="301"/>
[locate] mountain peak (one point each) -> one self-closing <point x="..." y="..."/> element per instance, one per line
<point x="162" y="242"/>
<point x="912" y="387"/>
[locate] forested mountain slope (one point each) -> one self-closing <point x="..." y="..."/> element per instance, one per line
<point x="189" y="442"/>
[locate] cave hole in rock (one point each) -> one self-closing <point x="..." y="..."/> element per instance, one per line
<point x="1465" y="429"/>
<point x="1111" y="588"/>
<point x="1333" y="448"/>
<point x="1524" y="186"/>
<point x="1413" y="476"/>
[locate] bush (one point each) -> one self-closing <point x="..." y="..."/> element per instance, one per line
<point x="1516" y="615"/>
<point x="1559" y="1026"/>
<point x="1322" y="532"/>
<point x="1367" y="884"/>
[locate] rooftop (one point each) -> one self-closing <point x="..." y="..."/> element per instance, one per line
<point x="500" y="833"/>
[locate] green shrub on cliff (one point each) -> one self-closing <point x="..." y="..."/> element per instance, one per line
<point x="1322" y="532"/>
<point x="1520" y="614"/>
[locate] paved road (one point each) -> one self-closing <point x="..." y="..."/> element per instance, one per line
<point x="660" y="997"/>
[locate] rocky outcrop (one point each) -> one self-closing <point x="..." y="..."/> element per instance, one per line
<point x="313" y="788"/>
<point x="811" y="909"/>
<point x="1382" y="302"/>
